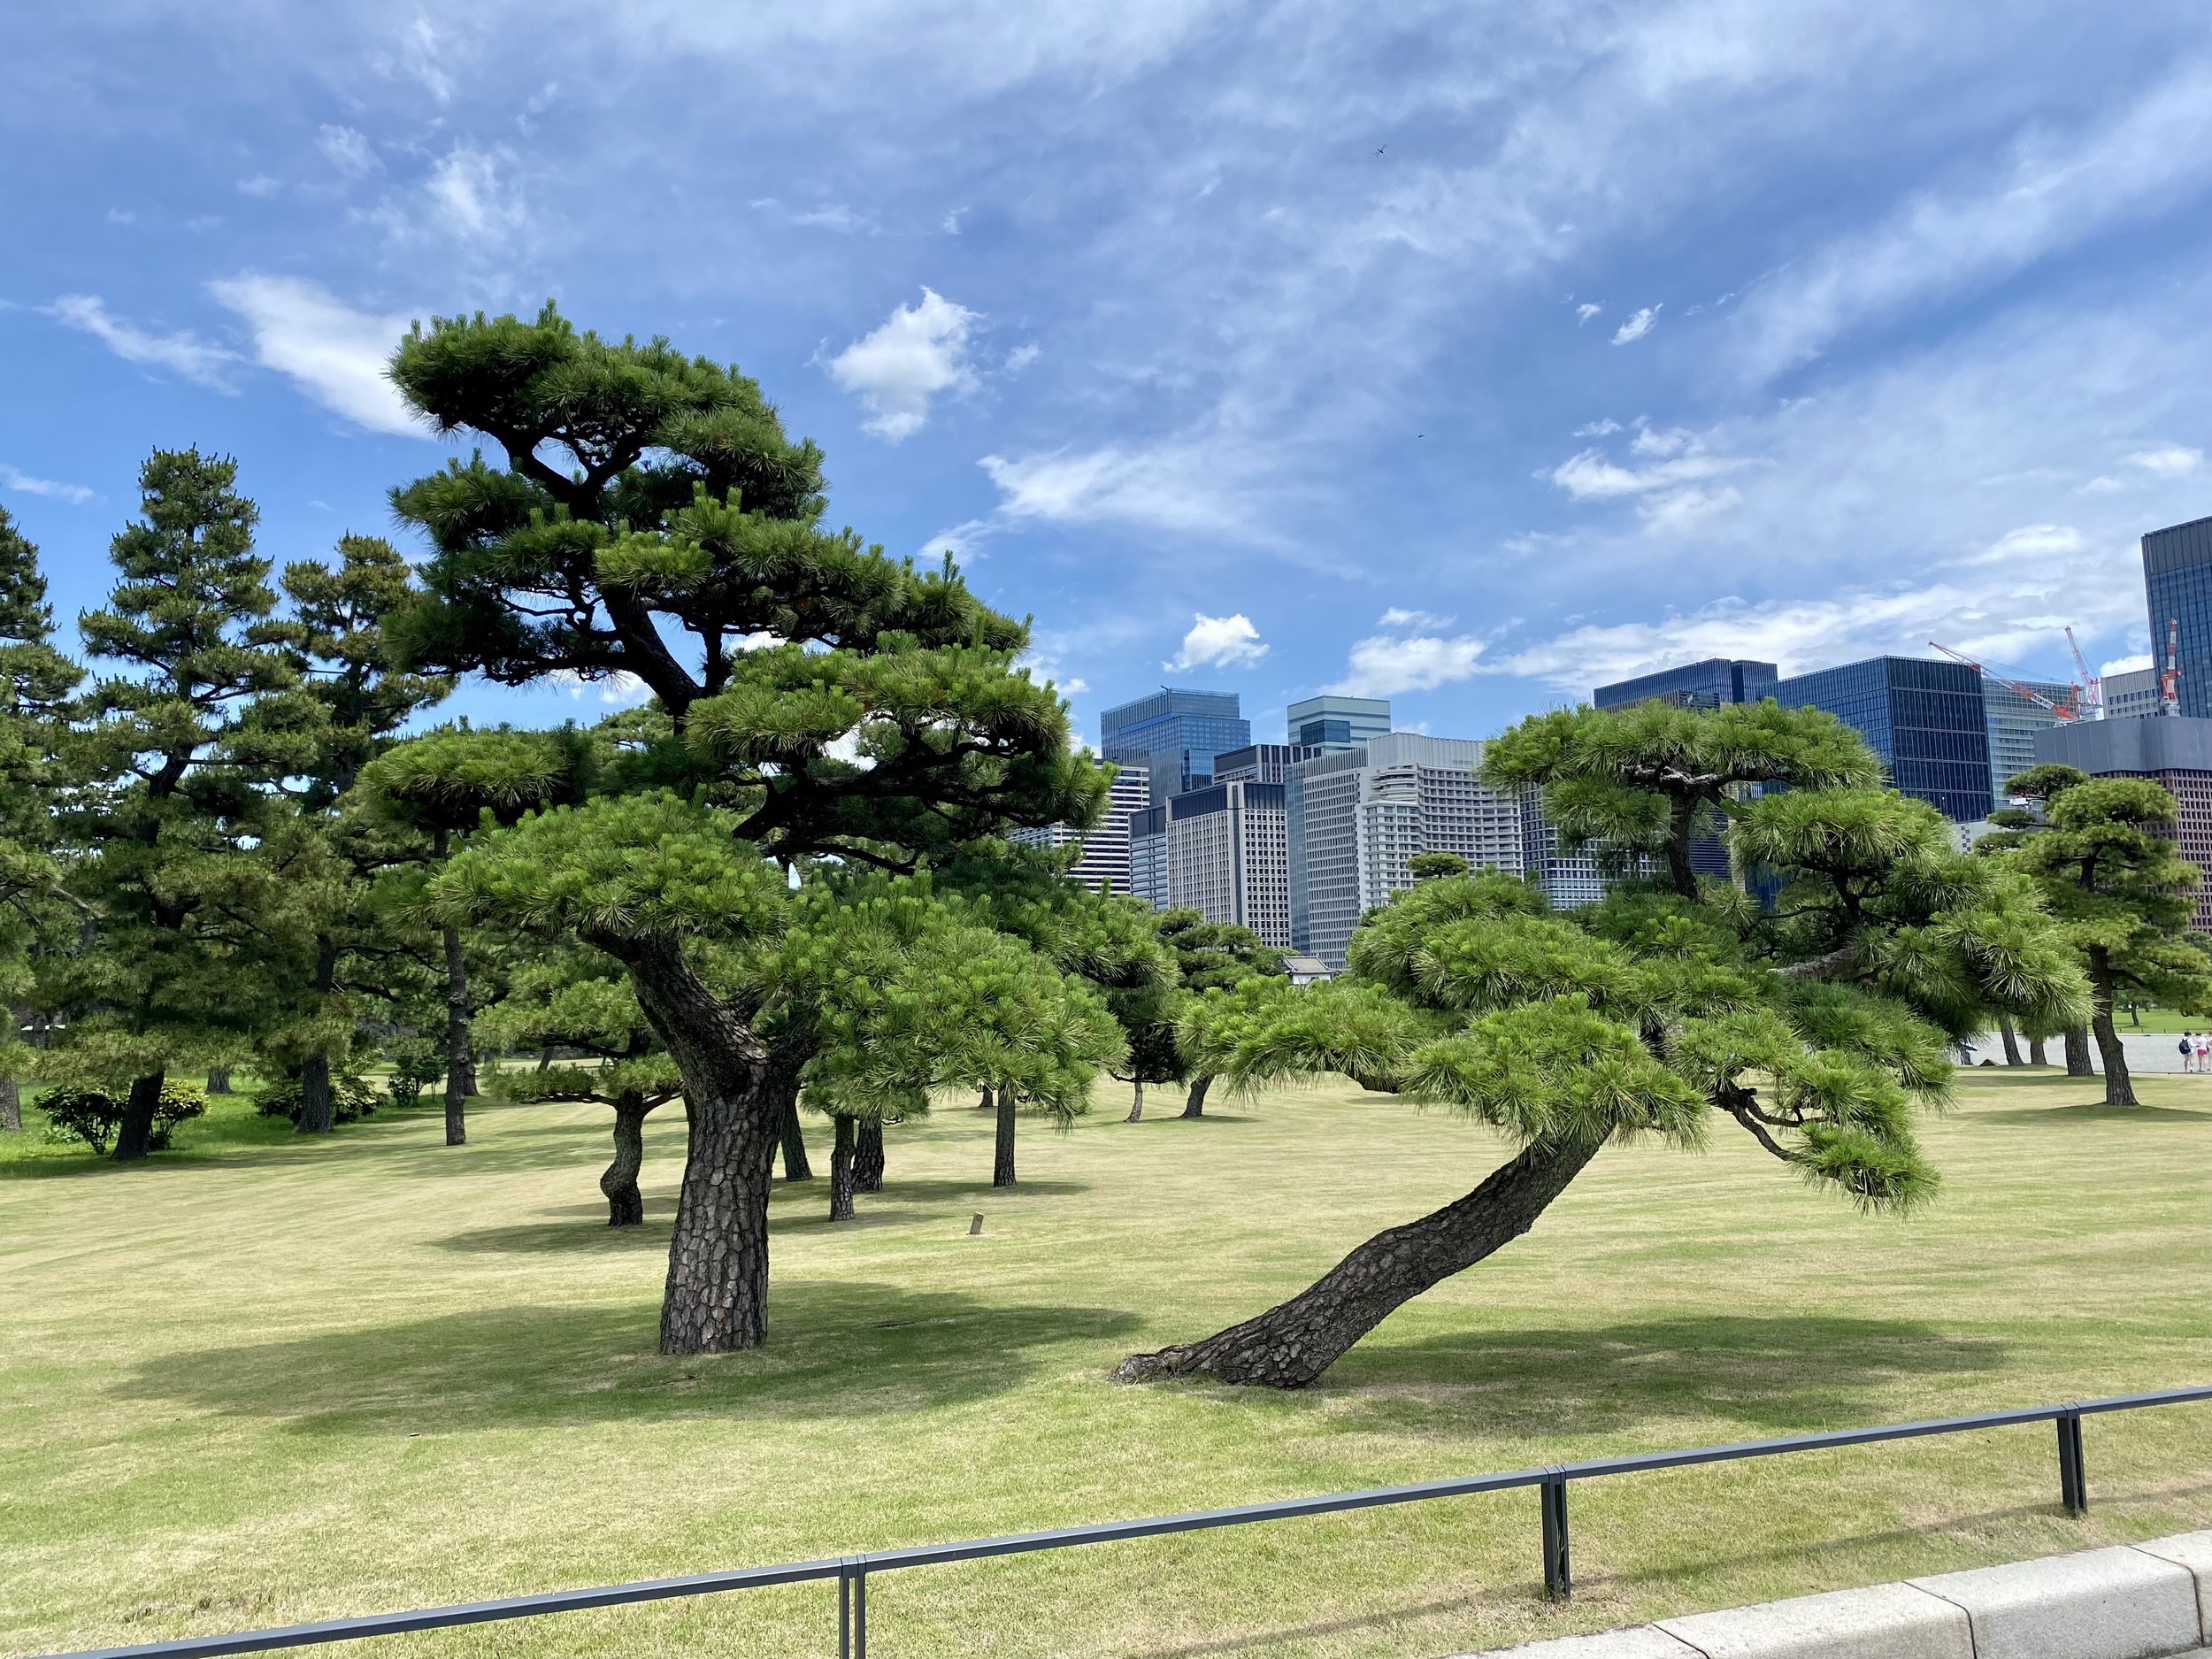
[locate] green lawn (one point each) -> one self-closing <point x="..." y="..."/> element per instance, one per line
<point x="261" y="1380"/>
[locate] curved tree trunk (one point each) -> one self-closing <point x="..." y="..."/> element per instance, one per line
<point x="134" y="1135"/>
<point x="218" y="1080"/>
<point x="626" y="1204"/>
<point x="986" y="1103"/>
<point x="2011" y="1040"/>
<point x="2119" y="1087"/>
<point x="2077" y="1052"/>
<point x="1195" y="1105"/>
<point x="2035" y="1052"/>
<point x="792" y="1136"/>
<point x="1293" y="1343"/>
<point x="460" y="1069"/>
<point x="842" y="1171"/>
<point x="1136" y="1101"/>
<point x="868" y="1156"/>
<point x="1003" y="1153"/>
<point x="315" y="1095"/>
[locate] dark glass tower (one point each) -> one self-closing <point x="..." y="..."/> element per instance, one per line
<point x="1924" y="720"/>
<point x="1179" y="733"/>
<point x="1705" y="684"/>
<point x="2177" y="581"/>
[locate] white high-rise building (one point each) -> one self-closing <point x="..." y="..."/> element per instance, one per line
<point x="1222" y="851"/>
<point x="2130" y="695"/>
<point x="1103" y="866"/>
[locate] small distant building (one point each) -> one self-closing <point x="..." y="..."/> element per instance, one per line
<point x="1334" y="723"/>
<point x="2131" y="696"/>
<point x="1705" y="684"/>
<point x="1924" y="720"/>
<point x="1306" y="970"/>
<point x="2176" y="752"/>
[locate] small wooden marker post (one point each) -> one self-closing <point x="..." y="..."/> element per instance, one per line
<point x="975" y="1226"/>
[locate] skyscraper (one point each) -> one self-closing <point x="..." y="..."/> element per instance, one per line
<point x="1334" y="723"/>
<point x="1925" y="721"/>
<point x="2014" y="720"/>
<point x="1221" y="850"/>
<point x="1705" y="684"/>
<point x="1103" y="866"/>
<point x="2177" y="581"/>
<point x="1179" y="733"/>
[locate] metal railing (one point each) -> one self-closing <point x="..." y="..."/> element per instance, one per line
<point x="852" y="1572"/>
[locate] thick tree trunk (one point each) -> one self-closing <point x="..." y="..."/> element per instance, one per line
<point x="1195" y="1105"/>
<point x="2119" y="1087"/>
<point x="218" y="1080"/>
<point x="11" y="1106"/>
<point x="796" y="1167"/>
<point x="135" y="1136"/>
<point x="315" y="1095"/>
<point x="625" y="1205"/>
<point x="986" y="1103"/>
<point x="2035" y="1052"/>
<point x="460" y="1069"/>
<point x="2078" y="1053"/>
<point x="1136" y="1101"/>
<point x="842" y="1171"/>
<point x="1003" y="1153"/>
<point x="2011" y="1040"/>
<point x="734" y="1086"/>
<point x="1291" y="1344"/>
<point x="868" y="1156"/>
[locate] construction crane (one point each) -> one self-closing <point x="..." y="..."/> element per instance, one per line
<point x="2170" y="682"/>
<point x="2092" y="687"/>
<point x="2062" y="710"/>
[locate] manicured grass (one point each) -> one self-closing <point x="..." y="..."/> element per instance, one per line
<point x="263" y="1380"/>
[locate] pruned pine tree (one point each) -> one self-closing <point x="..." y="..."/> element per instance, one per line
<point x="649" y="517"/>
<point x="172" y="755"/>
<point x="442" y="787"/>
<point x="36" y="681"/>
<point x="1209" y="957"/>
<point x="2105" y="862"/>
<point x="1817" y="1030"/>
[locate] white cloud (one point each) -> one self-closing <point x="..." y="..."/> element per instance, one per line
<point x="2134" y="664"/>
<point x="1637" y="326"/>
<point x="917" y="352"/>
<point x="837" y="217"/>
<point x="1673" y="488"/>
<point x="2052" y="195"/>
<point x="260" y="184"/>
<point x="2169" y="460"/>
<point x="2031" y="542"/>
<point x="1604" y="428"/>
<point x="1586" y="310"/>
<point x="1219" y="642"/>
<point x="75" y="494"/>
<point x="621" y="688"/>
<point x="334" y="354"/>
<point x="470" y="199"/>
<point x="1021" y="357"/>
<point x="349" y="151"/>
<point x="1416" y="657"/>
<point x="182" y="353"/>
<point x="1204" y="481"/>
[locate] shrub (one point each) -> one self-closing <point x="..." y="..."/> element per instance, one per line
<point x="417" y="1062"/>
<point x="350" y="1099"/>
<point x="92" y="1116"/>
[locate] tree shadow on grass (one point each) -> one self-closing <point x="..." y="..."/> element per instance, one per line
<point x="2095" y="1112"/>
<point x="1777" y="1374"/>
<point x="835" y="1350"/>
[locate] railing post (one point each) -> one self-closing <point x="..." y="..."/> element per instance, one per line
<point x="2073" y="1484"/>
<point x="852" y="1608"/>
<point x="1558" y="1577"/>
<point x="844" y="1612"/>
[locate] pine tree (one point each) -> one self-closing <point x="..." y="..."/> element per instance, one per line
<point x="1211" y="957"/>
<point x="1817" y="1029"/>
<point x="821" y="700"/>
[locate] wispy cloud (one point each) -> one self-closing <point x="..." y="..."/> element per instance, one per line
<point x="1219" y="642"/>
<point x="2169" y="460"/>
<point x="182" y="353"/>
<point x="75" y="494"/>
<point x="349" y="151"/>
<point x="1637" y="326"/>
<point x="917" y="352"/>
<point x="334" y="354"/>
<point x="1411" y="653"/>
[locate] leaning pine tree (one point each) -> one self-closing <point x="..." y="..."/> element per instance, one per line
<point x="650" y="522"/>
<point x="1816" y="1028"/>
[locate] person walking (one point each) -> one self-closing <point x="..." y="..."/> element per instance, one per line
<point x="2204" y="1051"/>
<point x="2188" y="1051"/>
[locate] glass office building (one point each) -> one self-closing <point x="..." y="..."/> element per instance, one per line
<point x="1333" y="725"/>
<point x="2014" y="720"/>
<point x="1179" y="733"/>
<point x="2177" y="581"/>
<point x="1705" y="684"/>
<point x="1925" y="721"/>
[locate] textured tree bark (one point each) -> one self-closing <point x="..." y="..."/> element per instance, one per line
<point x="218" y="1080"/>
<point x="868" y="1157"/>
<point x="2011" y="1040"/>
<point x="460" y="1069"/>
<point x="134" y="1135"/>
<point x="842" y="1171"/>
<point x="1003" y="1153"/>
<point x="716" y="1299"/>
<point x="796" y="1167"/>
<point x="1195" y="1104"/>
<point x="2119" y="1087"/>
<point x="1293" y="1343"/>
<point x="1136" y="1101"/>
<point x="11" y="1106"/>
<point x="625" y="1205"/>
<point x="2078" y="1053"/>
<point x="315" y="1095"/>
<point x="2035" y="1052"/>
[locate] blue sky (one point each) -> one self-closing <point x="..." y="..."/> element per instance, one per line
<point x="1464" y="355"/>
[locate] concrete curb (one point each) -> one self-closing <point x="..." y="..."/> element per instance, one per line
<point x="2151" y="1601"/>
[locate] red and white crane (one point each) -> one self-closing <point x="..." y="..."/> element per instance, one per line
<point x="2064" y="710"/>
<point x="2092" y="687"/>
<point x="2170" y="681"/>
